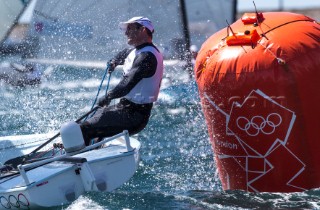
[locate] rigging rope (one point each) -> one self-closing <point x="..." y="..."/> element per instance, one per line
<point x="99" y="89"/>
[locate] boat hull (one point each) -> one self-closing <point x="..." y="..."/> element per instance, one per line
<point x="61" y="182"/>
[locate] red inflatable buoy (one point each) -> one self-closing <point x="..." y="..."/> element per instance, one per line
<point x="259" y="83"/>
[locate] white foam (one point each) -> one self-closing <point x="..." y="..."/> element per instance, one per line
<point x="84" y="203"/>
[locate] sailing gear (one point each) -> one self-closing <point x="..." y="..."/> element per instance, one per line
<point x="143" y="70"/>
<point x="112" y="66"/>
<point x="113" y="119"/>
<point x="104" y="101"/>
<point x="118" y="59"/>
<point x="153" y="59"/>
<point x="138" y="89"/>
<point x="141" y="20"/>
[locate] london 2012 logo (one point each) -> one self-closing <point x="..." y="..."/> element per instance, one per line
<point x="257" y="124"/>
<point x="12" y="201"/>
<point x="260" y="127"/>
<point x="260" y="122"/>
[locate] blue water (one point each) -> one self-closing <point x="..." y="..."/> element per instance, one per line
<point x="176" y="171"/>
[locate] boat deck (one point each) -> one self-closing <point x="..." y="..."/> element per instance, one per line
<point x="37" y="176"/>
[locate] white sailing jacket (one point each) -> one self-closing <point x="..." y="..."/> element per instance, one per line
<point x="147" y="89"/>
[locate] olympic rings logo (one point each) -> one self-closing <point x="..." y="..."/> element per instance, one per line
<point x="19" y="202"/>
<point x="259" y="124"/>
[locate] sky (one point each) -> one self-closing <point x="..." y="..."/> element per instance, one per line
<point x="275" y="4"/>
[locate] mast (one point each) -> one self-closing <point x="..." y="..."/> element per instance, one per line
<point x="280" y="5"/>
<point x="14" y="22"/>
<point x="235" y="4"/>
<point x="185" y="29"/>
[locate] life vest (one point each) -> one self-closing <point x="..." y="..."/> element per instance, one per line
<point x="147" y="90"/>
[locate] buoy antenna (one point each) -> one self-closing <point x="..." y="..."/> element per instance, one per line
<point x="230" y="28"/>
<point x="255" y="8"/>
<point x="259" y="15"/>
<point x="260" y="19"/>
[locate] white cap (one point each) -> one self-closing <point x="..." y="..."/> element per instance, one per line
<point x="141" y="20"/>
<point x="193" y="48"/>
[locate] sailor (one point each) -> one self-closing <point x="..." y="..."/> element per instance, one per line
<point x="194" y="53"/>
<point x="137" y="90"/>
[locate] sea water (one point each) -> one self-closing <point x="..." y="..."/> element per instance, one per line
<point x="177" y="170"/>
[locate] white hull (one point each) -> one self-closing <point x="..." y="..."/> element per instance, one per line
<point x="61" y="182"/>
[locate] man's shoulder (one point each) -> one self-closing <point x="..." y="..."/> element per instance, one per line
<point x="147" y="47"/>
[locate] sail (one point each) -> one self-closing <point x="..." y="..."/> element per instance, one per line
<point x="87" y="30"/>
<point x="9" y="13"/>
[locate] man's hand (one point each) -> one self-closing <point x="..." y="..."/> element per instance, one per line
<point x="118" y="59"/>
<point x="104" y="101"/>
<point x="112" y="65"/>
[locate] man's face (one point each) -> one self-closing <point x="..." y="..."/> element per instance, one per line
<point x="133" y="34"/>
